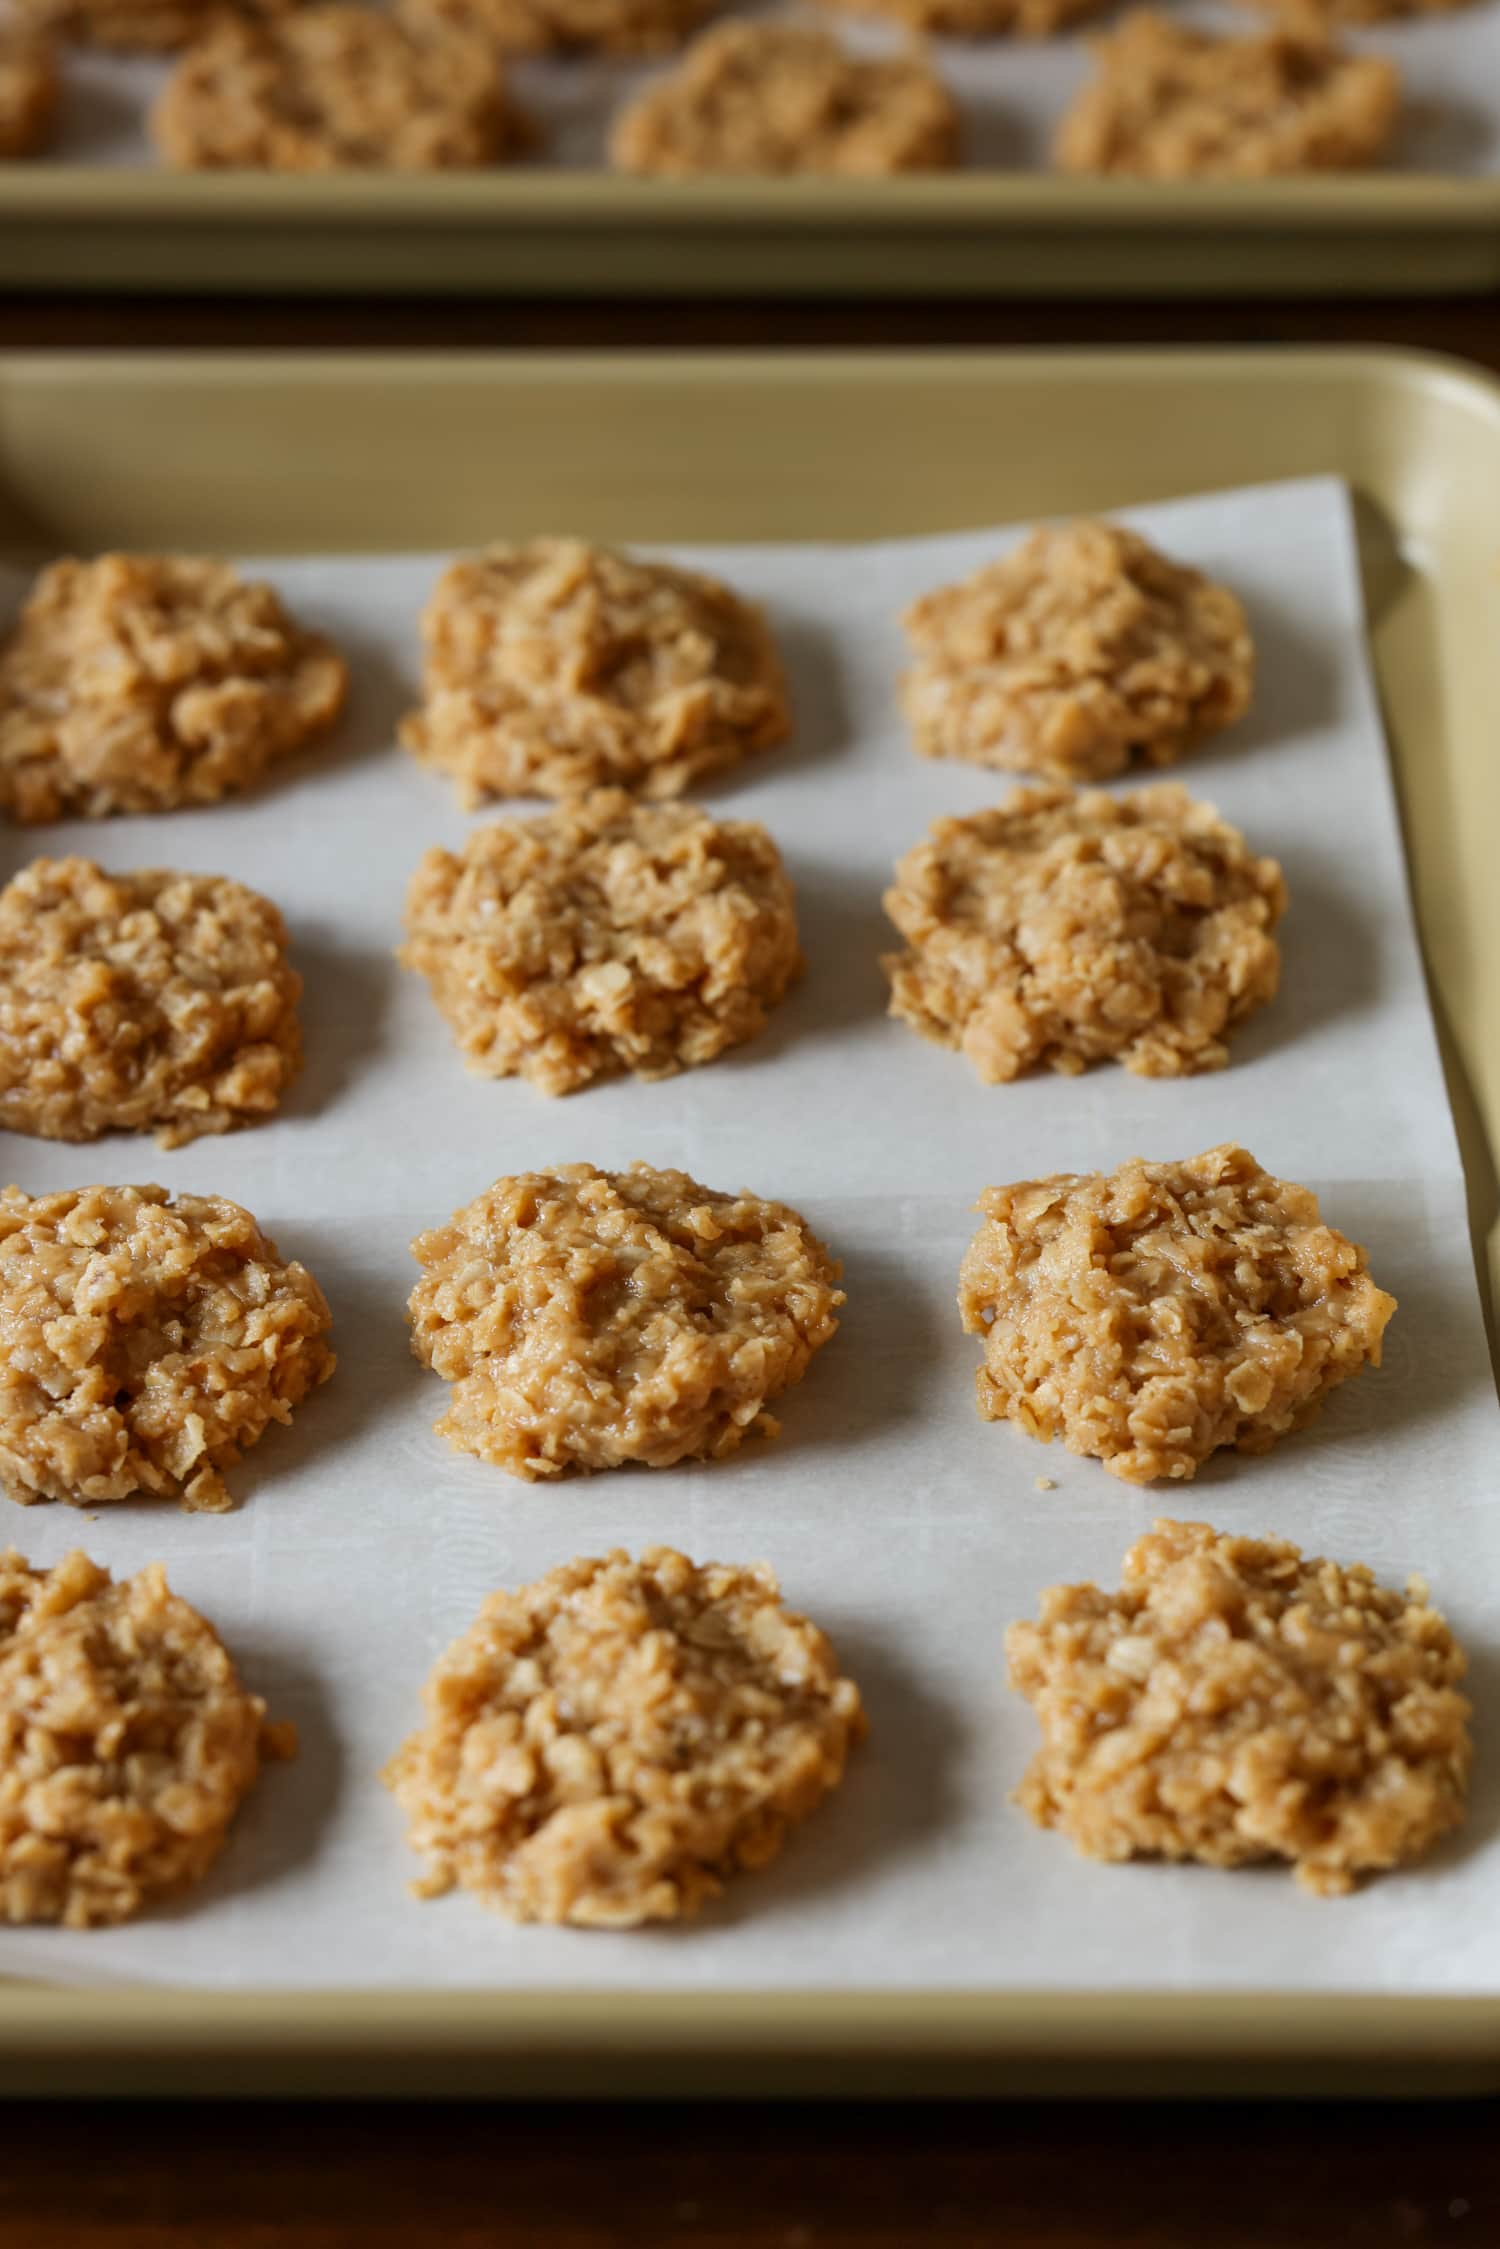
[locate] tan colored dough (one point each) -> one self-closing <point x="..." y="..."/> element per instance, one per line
<point x="1150" y="1315"/>
<point x="608" y="935"/>
<point x="1171" y="103"/>
<point x="1234" y="1702"/>
<point x="1063" y="929"/>
<point x="149" y="1002"/>
<point x="334" y="87"/>
<point x="607" y="1746"/>
<point x="127" y="1743"/>
<point x="556" y="667"/>
<point x="765" y="96"/>
<point x="145" y="1343"/>
<point x="141" y="683"/>
<point x="587" y="1319"/>
<point x="1079" y="651"/>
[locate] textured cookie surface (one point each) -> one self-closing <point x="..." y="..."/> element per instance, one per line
<point x="1149" y="1315"/>
<point x="138" y="683"/>
<point x="1082" y="649"/>
<point x="334" y="87"/>
<point x="605" y="1747"/>
<point x="126" y="1743"/>
<point x="1171" y="103"/>
<point x="147" y="1343"/>
<point x="30" y="91"/>
<point x="608" y="935"/>
<point x="1064" y="929"/>
<point x="1234" y="1701"/>
<point x="556" y="667"/>
<point x="606" y="27"/>
<point x="782" y="97"/>
<point x="149" y="1002"/>
<point x="587" y="1319"/>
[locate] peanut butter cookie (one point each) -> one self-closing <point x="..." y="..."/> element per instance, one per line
<point x="138" y="683"/>
<point x="1234" y="1702"/>
<point x="30" y="91"/>
<point x="607" y="1746"/>
<point x="1066" y="929"/>
<point x="1171" y="103"/>
<point x="127" y="1743"/>
<point x="588" y="1318"/>
<point x="150" y="1002"/>
<point x="1082" y="649"/>
<point x="332" y="87"/>
<point x="556" y="667"/>
<point x="147" y="1344"/>
<point x="608" y="935"/>
<point x="1152" y="1314"/>
<point x="763" y="96"/>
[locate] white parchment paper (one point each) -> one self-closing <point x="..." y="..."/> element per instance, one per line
<point x="913" y="1531"/>
<point x="1011" y="92"/>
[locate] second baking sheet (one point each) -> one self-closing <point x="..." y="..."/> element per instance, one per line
<point x="910" y="1529"/>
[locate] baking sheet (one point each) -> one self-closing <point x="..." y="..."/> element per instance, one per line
<point x="1011" y="92"/>
<point x="910" y="1529"/>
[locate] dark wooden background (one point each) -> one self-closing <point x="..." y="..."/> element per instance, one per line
<point x="710" y="2176"/>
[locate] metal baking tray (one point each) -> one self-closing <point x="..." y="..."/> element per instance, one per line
<point x="385" y="452"/>
<point x="70" y="227"/>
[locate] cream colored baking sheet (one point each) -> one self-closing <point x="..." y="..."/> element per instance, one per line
<point x="910" y="1529"/>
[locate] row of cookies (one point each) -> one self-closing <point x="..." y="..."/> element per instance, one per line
<point x="142" y="683"/>
<point x="606" y="1746"/>
<point x="425" y="86"/>
<point x="1056" y="930"/>
<point x="590" y="1320"/>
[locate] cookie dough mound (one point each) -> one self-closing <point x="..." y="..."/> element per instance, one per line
<point x="605" y="27"/>
<point x="1079" y="651"/>
<point x="126" y="1743"/>
<point x="332" y="87"/>
<point x="30" y="92"/>
<point x="589" y="1318"/>
<point x="608" y="935"/>
<point x="148" y="1343"/>
<point x="605" y="1747"/>
<point x="764" y="96"/>
<point x="137" y="26"/>
<point x="1064" y="929"/>
<point x="1149" y="1315"/>
<point x="139" y="683"/>
<point x="556" y="667"/>
<point x="979" y="19"/>
<point x="1234" y="1702"/>
<point x="1170" y="103"/>
<point x="138" y="1003"/>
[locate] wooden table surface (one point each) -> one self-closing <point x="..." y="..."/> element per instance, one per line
<point x="1225" y="2176"/>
